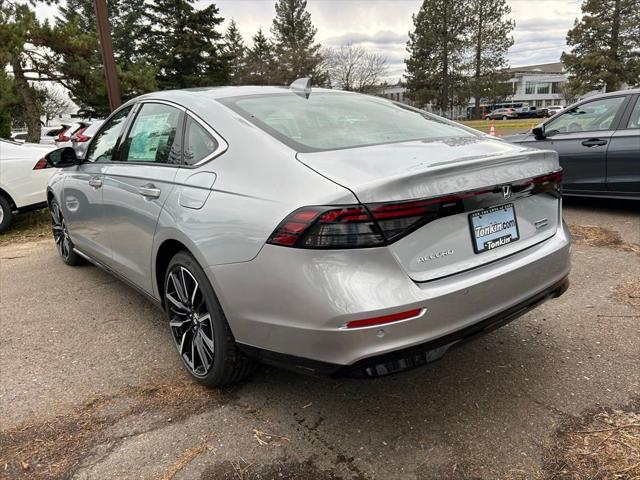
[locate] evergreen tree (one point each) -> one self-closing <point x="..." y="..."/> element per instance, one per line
<point x="9" y="101"/>
<point x="185" y="44"/>
<point x="436" y="50"/>
<point x="606" y="45"/>
<point x="296" y="52"/>
<point x="74" y="39"/>
<point x="261" y="61"/>
<point x="489" y="39"/>
<point x="236" y="53"/>
<point x="22" y="49"/>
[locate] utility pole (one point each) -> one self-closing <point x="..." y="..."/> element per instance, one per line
<point x="106" y="49"/>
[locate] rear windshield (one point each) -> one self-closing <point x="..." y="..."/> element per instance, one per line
<point x="331" y="121"/>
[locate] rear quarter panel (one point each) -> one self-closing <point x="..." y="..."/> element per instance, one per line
<point x="258" y="182"/>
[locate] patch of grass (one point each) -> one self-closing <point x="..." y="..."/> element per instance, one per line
<point x="28" y="226"/>
<point x="54" y="448"/>
<point x="504" y="127"/>
<point x="596" y="236"/>
<point x="598" y="445"/>
<point x="629" y="292"/>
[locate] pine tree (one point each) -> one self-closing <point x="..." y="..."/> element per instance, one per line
<point x="236" y="54"/>
<point x="261" y="61"/>
<point x="74" y="40"/>
<point x="296" y="52"/>
<point x="489" y="38"/>
<point x="606" y="45"/>
<point x="185" y="44"/>
<point x="436" y="54"/>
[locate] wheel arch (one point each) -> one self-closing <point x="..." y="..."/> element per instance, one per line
<point x="9" y="198"/>
<point x="166" y="251"/>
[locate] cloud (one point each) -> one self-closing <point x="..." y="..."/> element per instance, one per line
<point x="385" y="37"/>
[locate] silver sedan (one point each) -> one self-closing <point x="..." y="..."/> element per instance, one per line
<point x="324" y="231"/>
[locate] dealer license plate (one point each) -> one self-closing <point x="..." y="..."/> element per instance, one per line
<point x="493" y="227"/>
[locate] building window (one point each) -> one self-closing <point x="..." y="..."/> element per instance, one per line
<point x="530" y="88"/>
<point x="544" y="88"/>
<point x="556" y="87"/>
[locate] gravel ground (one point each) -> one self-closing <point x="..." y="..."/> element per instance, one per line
<point x="92" y="389"/>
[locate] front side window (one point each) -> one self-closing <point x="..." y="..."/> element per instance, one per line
<point x="634" y="120"/>
<point x="329" y="121"/>
<point x="198" y="143"/>
<point x="103" y="145"/>
<point x="588" y="117"/>
<point x="153" y="135"/>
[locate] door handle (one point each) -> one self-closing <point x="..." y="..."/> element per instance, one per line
<point x="95" y="182"/>
<point x="594" y="142"/>
<point x="149" y="191"/>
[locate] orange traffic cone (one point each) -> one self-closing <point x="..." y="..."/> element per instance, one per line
<point x="492" y="131"/>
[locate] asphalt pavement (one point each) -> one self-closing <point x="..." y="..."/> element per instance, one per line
<point x="91" y="387"/>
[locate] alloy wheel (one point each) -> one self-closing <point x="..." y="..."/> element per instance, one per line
<point x="60" y="232"/>
<point x="190" y="320"/>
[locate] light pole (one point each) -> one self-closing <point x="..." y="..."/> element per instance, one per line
<point x="106" y="50"/>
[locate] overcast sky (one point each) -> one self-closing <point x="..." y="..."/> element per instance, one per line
<point x="382" y="25"/>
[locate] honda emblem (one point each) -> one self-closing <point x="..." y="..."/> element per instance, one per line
<point x="506" y="191"/>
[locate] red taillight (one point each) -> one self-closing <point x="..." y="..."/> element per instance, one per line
<point x="62" y="137"/>
<point x="40" y="164"/>
<point x="328" y="227"/>
<point x="378" y="224"/>
<point x="80" y="137"/>
<point x="395" y="317"/>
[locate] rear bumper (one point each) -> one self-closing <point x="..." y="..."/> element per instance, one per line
<point x="296" y="302"/>
<point x="408" y="358"/>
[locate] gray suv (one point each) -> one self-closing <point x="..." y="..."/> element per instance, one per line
<point x="328" y="232"/>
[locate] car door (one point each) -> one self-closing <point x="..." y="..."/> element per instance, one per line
<point x="623" y="155"/>
<point x="137" y="184"/>
<point x="82" y="205"/>
<point x="581" y="136"/>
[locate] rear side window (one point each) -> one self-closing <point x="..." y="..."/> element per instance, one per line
<point x="103" y="146"/>
<point x="329" y="121"/>
<point x="153" y="137"/>
<point x="198" y="143"/>
<point x="634" y="119"/>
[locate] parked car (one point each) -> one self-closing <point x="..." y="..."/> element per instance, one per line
<point x="64" y="137"/>
<point x="598" y="141"/>
<point x="24" y="174"/>
<point x="532" y="112"/>
<point x="502" y="114"/>
<point x="80" y="139"/>
<point x="47" y="135"/>
<point x="553" y="109"/>
<point x="270" y="229"/>
<point x="18" y="137"/>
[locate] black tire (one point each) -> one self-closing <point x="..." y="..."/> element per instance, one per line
<point x="64" y="245"/>
<point x="187" y="306"/>
<point x="6" y="215"/>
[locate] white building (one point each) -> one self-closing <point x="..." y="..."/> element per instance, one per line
<point x="538" y="85"/>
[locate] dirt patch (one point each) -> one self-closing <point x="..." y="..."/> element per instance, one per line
<point x="598" y="445"/>
<point x="629" y="293"/>
<point x="596" y="236"/>
<point x="281" y="470"/>
<point x="27" y="227"/>
<point x="53" y="449"/>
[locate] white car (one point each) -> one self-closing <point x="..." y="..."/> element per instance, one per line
<point x="24" y="174"/>
<point x="554" y="109"/>
<point x="63" y="139"/>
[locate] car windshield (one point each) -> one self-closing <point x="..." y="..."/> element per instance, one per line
<point x="330" y="121"/>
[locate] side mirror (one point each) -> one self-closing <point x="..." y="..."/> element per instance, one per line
<point x="62" y="157"/>
<point x="538" y="131"/>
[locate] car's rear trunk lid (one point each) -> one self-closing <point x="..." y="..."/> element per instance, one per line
<point x="476" y="184"/>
